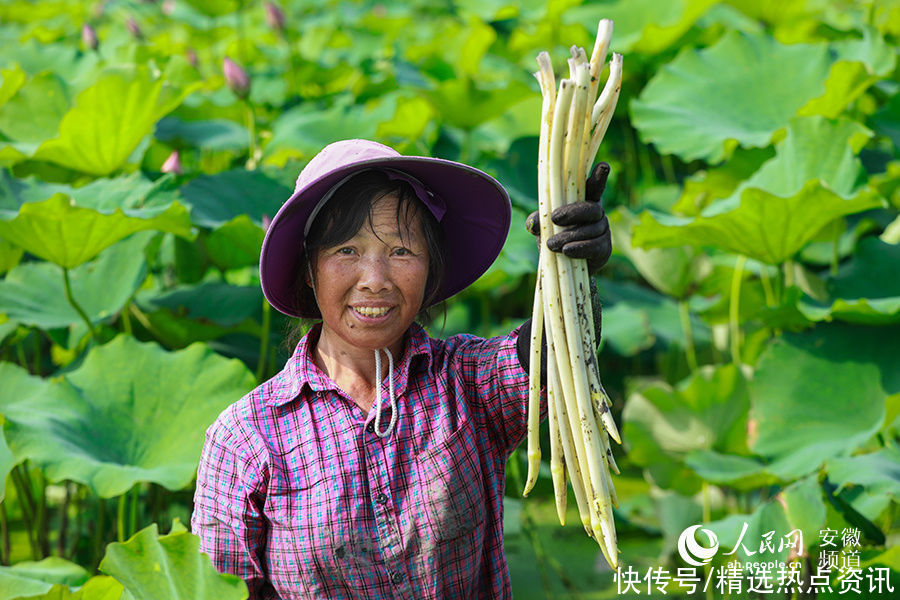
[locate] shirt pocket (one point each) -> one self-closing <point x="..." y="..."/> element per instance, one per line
<point x="451" y="486"/>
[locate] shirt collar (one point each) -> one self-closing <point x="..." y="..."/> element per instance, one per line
<point x="301" y="371"/>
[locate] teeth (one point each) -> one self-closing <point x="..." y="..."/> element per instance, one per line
<point x="370" y="311"/>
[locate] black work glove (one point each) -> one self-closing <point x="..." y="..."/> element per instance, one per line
<point x="587" y="228"/>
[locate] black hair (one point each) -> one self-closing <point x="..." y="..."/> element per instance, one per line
<point x="341" y="218"/>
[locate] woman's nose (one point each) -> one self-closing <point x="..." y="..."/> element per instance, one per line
<point x="374" y="275"/>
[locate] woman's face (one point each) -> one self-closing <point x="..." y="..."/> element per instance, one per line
<point x="370" y="287"/>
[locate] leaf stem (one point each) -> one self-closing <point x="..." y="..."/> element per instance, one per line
<point x="250" y="116"/>
<point x="75" y="305"/>
<point x="26" y="505"/>
<point x="788" y="274"/>
<point x="64" y="521"/>
<point x="126" y="318"/>
<point x="133" y="516"/>
<point x="98" y="533"/>
<point x="5" y="548"/>
<point x="768" y="292"/>
<point x="121" y="526"/>
<point x="690" y="351"/>
<point x="734" y="309"/>
<point x="836" y="248"/>
<point x="264" y="341"/>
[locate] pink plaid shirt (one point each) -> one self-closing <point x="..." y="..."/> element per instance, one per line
<point x="299" y="497"/>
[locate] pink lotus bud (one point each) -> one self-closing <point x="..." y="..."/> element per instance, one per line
<point x="89" y="37"/>
<point x="191" y="56"/>
<point x="274" y="16"/>
<point x="168" y="7"/>
<point x="134" y="28"/>
<point x="236" y="78"/>
<point x="172" y="164"/>
<point x="266" y="221"/>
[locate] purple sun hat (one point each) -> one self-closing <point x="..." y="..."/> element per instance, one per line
<point x="471" y="206"/>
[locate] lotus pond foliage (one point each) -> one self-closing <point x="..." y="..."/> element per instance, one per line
<point x="751" y="339"/>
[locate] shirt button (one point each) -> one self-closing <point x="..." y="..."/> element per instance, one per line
<point x="370" y="427"/>
<point x="381" y="498"/>
<point x="340" y="552"/>
<point x="397" y="577"/>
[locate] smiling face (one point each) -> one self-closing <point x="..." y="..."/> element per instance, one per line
<point x="370" y="287"/>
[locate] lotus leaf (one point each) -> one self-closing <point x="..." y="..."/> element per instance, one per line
<point x="68" y="235"/>
<point x="627" y="329"/>
<point x="151" y="567"/>
<point x="34" y="113"/>
<point x="757" y="224"/>
<point x="740" y="91"/>
<point x="31" y="578"/>
<point x="819" y="395"/>
<point x="878" y="472"/>
<point x="235" y="244"/>
<point x="131" y="412"/>
<point x="217" y="199"/>
<point x="110" y="118"/>
<point x="672" y="271"/>
<point x="33" y="292"/>
<point x="866" y="290"/>
<point x="804" y="508"/>
<point x="219" y="303"/>
<point x="100" y="587"/>
<point x="740" y="472"/>
<point x="211" y="134"/>
<point x="644" y="26"/>
<point x="7" y="461"/>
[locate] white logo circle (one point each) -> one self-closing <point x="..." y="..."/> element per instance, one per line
<point x="692" y="552"/>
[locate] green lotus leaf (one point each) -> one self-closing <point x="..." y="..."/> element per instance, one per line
<point x="740" y="472"/>
<point x="878" y="472"/>
<point x="642" y="26"/>
<point x="131" y="412"/>
<point x="7" y="461"/>
<point x="307" y="128"/>
<point x="68" y="235"/>
<point x="151" y="567"/>
<point x="627" y="329"/>
<point x="11" y="81"/>
<point x="216" y="8"/>
<point x="100" y="587"/>
<point x="10" y="255"/>
<point x="820" y="394"/>
<point x="804" y="508"/>
<point x="110" y="118"/>
<point x="464" y="104"/>
<point x="235" y="244"/>
<point x="34" y="113"/>
<point x="866" y="290"/>
<point x="886" y="120"/>
<point x="739" y="91"/>
<point x="706" y="411"/>
<point x="31" y="578"/>
<point x="757" y="224"/>
<point x="210" y="134"/>
<point x="672" y="271"/>
<point x="33" y="293"/>
<point x="814" y="148"/>
<point x="217" y="199"/>
<point x="219" y="303"/>
<point x="665" y="319"/>
<point x="518" y="257"/>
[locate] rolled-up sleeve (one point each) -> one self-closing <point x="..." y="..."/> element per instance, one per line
<point x="228" y="503"/>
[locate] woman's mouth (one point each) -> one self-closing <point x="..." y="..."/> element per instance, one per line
<point x="372" y="312"/>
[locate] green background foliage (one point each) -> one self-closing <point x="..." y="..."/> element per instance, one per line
<point x="752" y="302"/>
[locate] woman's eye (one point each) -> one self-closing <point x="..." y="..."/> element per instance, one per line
<point x="345" y="251"/>
<point x="403" y="252"/>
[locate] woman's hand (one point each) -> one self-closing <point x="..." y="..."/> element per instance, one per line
<point x="587" y="228"/>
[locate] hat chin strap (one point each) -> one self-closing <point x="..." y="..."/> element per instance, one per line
<point x="393" y="397"/>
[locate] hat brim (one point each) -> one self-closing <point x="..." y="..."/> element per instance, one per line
<point x="475" y="225"/>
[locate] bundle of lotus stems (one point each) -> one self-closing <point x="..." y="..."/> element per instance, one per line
<point x="573" y="122"/>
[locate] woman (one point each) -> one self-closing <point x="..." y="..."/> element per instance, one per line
<point x="372" y="465"/>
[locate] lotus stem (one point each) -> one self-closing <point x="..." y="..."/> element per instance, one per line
<point x="734" y="308"/>
<point x="690" y="352"/>
<point x="68" y="289"/>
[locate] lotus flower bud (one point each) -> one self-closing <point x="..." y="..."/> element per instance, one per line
<point x="89" y="37"/>
<point x="191" y="56"/>
<point x="266" y="221"/>
<point x="134" y="28"/>
<point x="236" y="78"/>
<point x="274" y="16"/>
<point x="172" y="164"/>
<point x="168" y="7"/>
